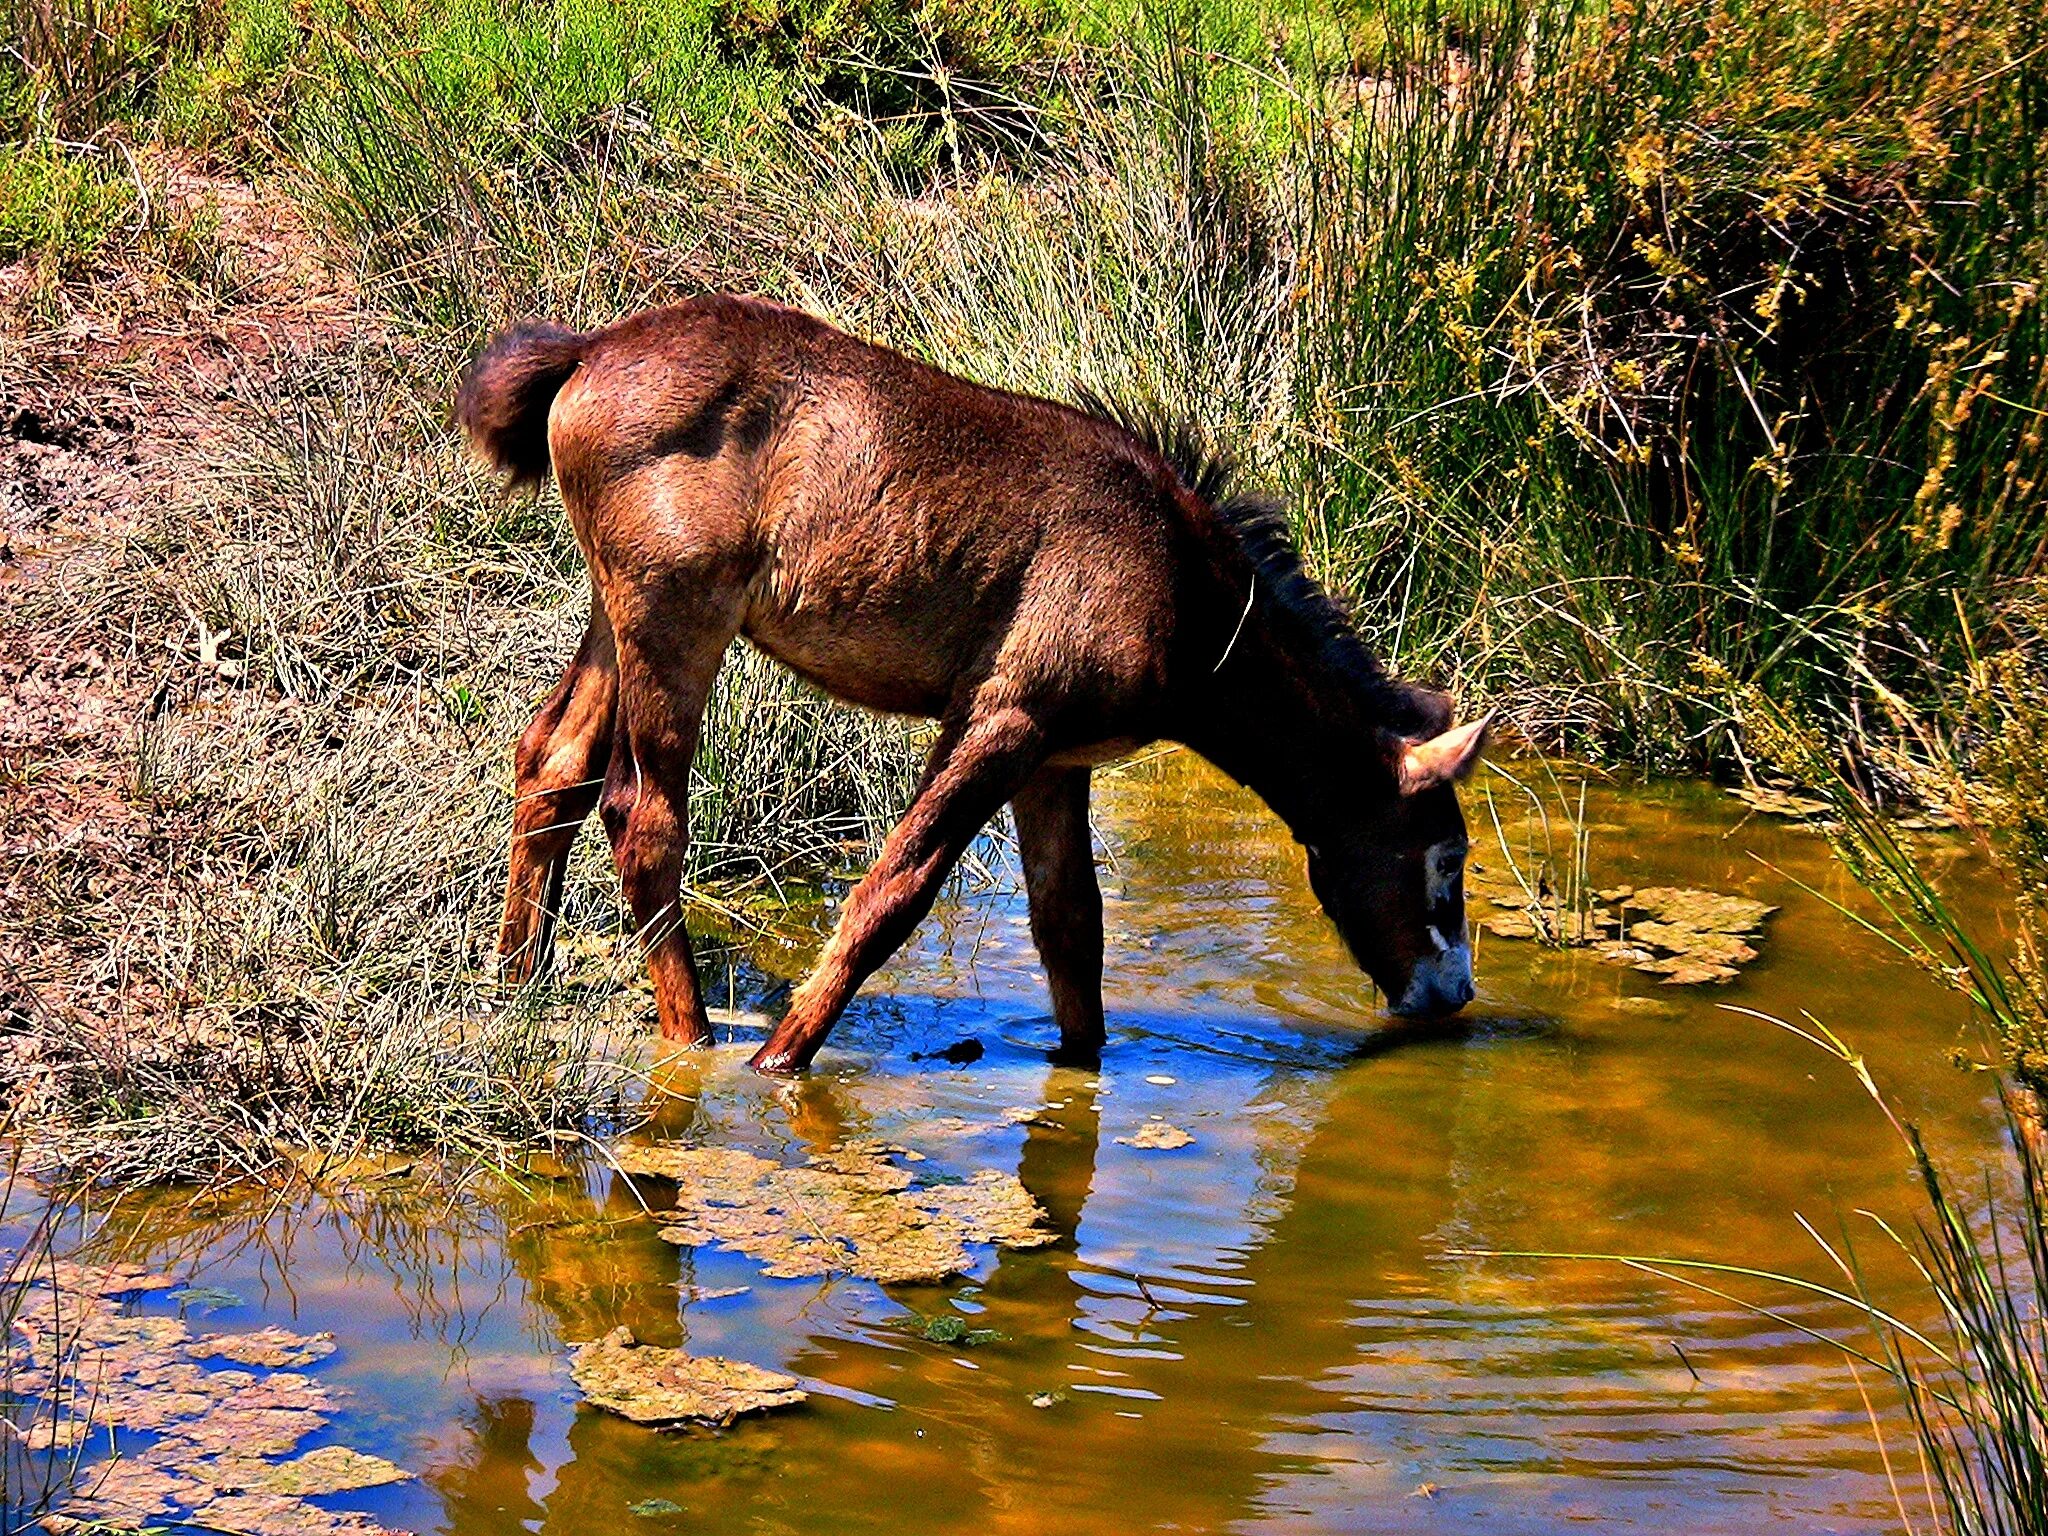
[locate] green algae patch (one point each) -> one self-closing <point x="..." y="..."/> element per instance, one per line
<point x="104" y="1370"/>
<point x="1692" y="936"/>
<point x="1679" y="934"/>
<point x="849" y="1211"/>
<point x="652" y="1385"/>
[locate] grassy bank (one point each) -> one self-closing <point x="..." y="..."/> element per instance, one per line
<point x="356" y="625"/>
<point x="1612" y="361"/>
<point x="1611" y="364"/>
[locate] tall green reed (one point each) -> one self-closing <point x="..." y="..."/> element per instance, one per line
<point x="1977" y="1394"/>
<point x="1980" y="752"/>
<point x="1655" y="349"/>
<point x="1972" y="1374"/>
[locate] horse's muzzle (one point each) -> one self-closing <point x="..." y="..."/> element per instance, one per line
<point x="1440" y="984"/>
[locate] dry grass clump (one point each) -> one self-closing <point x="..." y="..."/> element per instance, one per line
<point x="358" y="628"/>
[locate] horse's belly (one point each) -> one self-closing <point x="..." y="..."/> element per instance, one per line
<point x="874" y="618"/>
<point x="878" y="670"/>
<point x="1095" y="754"/>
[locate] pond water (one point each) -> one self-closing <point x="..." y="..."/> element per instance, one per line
<point x="1266" y="1329"/>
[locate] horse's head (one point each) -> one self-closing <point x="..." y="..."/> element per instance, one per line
<point x="1389" y="868"/>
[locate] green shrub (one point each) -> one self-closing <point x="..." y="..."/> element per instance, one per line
<point x="945" y="78"/>
<point x="1667" y="348"/>
<point x="226" y="90"/>
<point x="61" y="205"/>
<point x="70" y="67"/>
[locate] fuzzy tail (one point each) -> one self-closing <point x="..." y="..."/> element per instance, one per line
<point x="502" y="406"/>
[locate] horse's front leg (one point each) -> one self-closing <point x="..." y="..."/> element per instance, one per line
<point x="972" y="770"/>
<point x="1066" y="903"/>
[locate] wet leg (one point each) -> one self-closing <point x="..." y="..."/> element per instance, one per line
<point x="972" y="770"/>
<point x="1066" y="903"/>
<point x="558" y="773"/>
<point x="662" y="693"/>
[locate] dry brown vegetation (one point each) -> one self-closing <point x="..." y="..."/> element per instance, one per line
<point x="267" y="638"/>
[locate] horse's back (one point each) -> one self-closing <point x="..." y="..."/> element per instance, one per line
<point x="897" y="531"/>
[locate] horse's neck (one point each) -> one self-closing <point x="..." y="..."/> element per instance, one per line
<point x="1262" y="717"/>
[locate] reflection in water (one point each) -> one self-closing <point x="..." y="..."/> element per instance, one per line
<point x="1057" y="1162"/>
<point x="1260" y="1330"/>
<point x="486" y="1481"/>
<point x="589" y="1275"/>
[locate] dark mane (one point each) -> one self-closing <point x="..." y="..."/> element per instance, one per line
<point x="1202" y="467"/>
<point x="1259" y="524"/>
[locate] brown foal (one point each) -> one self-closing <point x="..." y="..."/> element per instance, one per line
<point x="1055" y="586"/>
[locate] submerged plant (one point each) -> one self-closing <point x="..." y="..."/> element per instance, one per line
<point x="1541" y="888"/>
<point x="946" y="1328"/>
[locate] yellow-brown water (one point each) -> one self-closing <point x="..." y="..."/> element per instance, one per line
<point x="1266" y="1329"/>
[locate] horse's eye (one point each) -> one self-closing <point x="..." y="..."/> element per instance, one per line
<point x="1444" y="867"/>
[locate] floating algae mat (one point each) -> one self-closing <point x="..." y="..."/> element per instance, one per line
<point x="1682" y="935"/>
<point x="219" y="1433"/>
<point x="652" y="1385"/>
<point x="1157" y="1136"/>
<point x="848" y="1211"/>
<point x="1782" y="800"/>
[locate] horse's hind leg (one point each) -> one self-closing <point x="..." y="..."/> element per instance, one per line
<point x="665" y="678"/>
<point x="559" y="771"/>
<point x="1066" y="903"/>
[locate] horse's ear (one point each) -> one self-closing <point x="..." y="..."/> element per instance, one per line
<point x="1442" y="759"/>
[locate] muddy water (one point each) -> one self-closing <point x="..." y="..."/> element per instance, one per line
<point x="1264" y="1329"/>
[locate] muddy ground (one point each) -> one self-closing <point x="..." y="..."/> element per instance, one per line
<point x="114" y="386"/>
